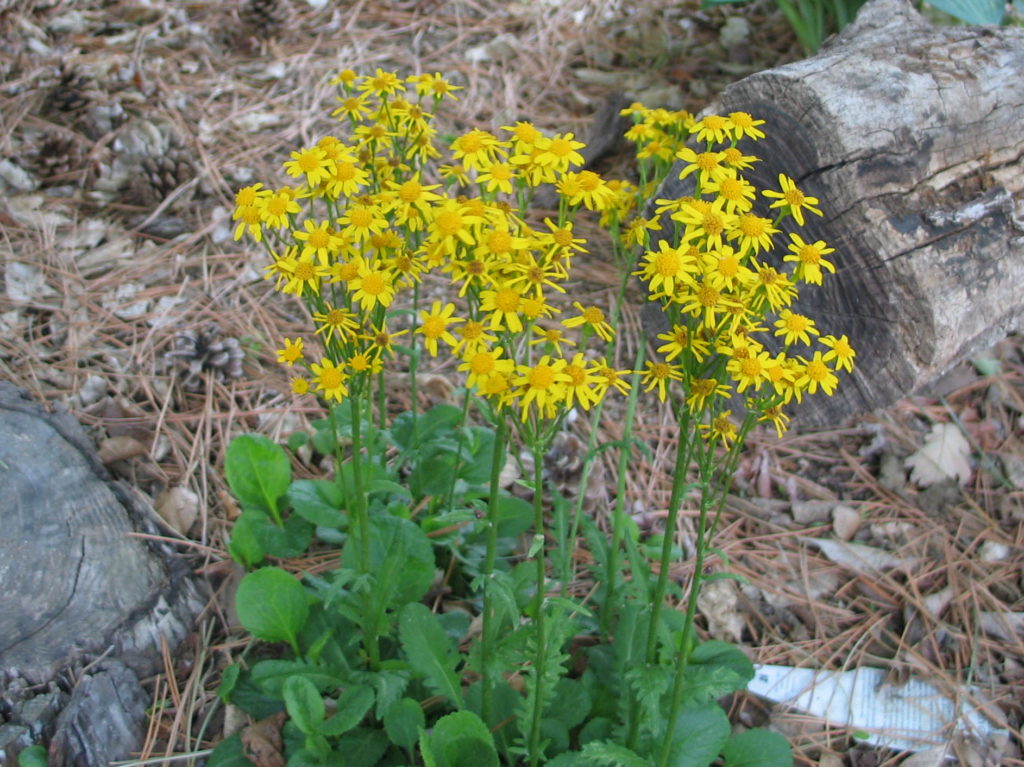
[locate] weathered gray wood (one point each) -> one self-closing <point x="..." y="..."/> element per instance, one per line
<point x="75" y="585"/>
<point x="912" y="136"/>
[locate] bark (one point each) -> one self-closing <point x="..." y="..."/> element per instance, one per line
<point x="912" y="137"/>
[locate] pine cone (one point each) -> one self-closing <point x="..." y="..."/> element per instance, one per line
<point x="265" y="18"/>
<point x="69" y="95"/>
<point x="563" y="470"/>
<point x="205" y="350"/>
<point x="162" y="174"/>
<point x="58" y="160"/>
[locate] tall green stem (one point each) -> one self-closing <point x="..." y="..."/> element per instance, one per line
<point x="490" y="557"/>
<point x="539" y="660"/>
<point x="362" y="520"/>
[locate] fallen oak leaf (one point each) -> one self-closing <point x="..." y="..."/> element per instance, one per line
<point x="261" y="741"/>
<point x="942" y="456"/>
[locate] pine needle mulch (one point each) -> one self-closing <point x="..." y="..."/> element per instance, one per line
<point x="126" y="130"/>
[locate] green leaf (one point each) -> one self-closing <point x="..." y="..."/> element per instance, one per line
<point x="288" y="540"/>
<point x="716" y="669"/>
<point x="403" y="721"/>
<point x="607" y="753"/>
<point x="571" y="704"/>
<point x="352" y="707"/>
<point x="228" y="680"/>
<point x="270" y="675"/>
<point x="33" y="756"/>
<point x="272" y="605"/>
<point x="989" y="12"/>
<point x="317" y="500"/>
<point x="304" y="703"/>
<point x="229" y="753"/>
<point x="362" y="748"/>
<point x="258" y="472"/>
<point x="463" y="740"/>
<point x="401" y="556"/>
<point x="700" y="733"/>
<point x="244" y="545"/>
<point x="515" y="516"/>
<point x="429" y="650"/>
<point x="410" y="430"/>
<point x="757" y="748"/>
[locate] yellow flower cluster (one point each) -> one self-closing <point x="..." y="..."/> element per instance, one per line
<point x="719" y="280"/>
<point x="371" y="214"/>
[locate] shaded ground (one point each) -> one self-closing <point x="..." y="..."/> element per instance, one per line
<point x="126" y="130"/>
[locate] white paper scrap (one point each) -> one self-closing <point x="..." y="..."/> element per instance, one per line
<point x="908" y="717"/>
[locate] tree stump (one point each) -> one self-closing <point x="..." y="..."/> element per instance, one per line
<point x="912" y="137"/>
<point x="85" y="607"/>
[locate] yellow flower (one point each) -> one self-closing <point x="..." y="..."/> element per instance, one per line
<point x="353" y="107"/>
<point x="435" y="324"/>
<point x="610" y="378"/>
<point x="382" y="340"/>
<point x="335" y="320"/>
<point x="542" y="385"/>
<point x="809" y="259"/>
<point x="771" y="286"/>
<point x="478" y="149"/>
<point x="738" y="193"/>
<point x="840" y="352"/>
<point x="300" y="272"/>
<point x="472" y="335"/>
<point x="680" y="340"/>
<point x="300" y="386"/>
<point x="364" y="362"/>
<point x="529" y="276"/>
<point x="559" y="152"/>
<point x="753" y="232"/>
<point x="816" y="373"/>
<point x="434" y="85"/>
<point x="705" y="219"/>
<point x="777" y="418"/>
<point x="313" y="163"/>
<point x="700" y="390"/>
<point x="497" y="177"/>
<point x="658" y="374"/>
<point x="552" y="338"/>
<point x="382" y="83"/>
<point x="319" y="240"/>
<point x="248" y="217"/>
<point x="592" y="318"/>
<point x="504" y="305"/>
<point x="792" y="200"/>
<point x="714" y="129"/>
<point x="794" y="327"/>
<point x="665" y="267"/>
<point x="373" y="286"/>
<point x="291" y="353"/>
<point x="482" y="364"/>
<point x="585" y="386"/>
<point x="707" y="165"/>
<point x="329" y="380"/>
<point x="745" y="125"/>
<point x="720" y="428"/>
<point x="588" y="188"/>
<point x="452" y="226"/>
<point x="362" y="220"/>
<point x="524" y="136"/>
<point x="275" y="209"/>
<point x="749" y="370"/>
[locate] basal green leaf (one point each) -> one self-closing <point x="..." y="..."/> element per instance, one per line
<point x="352" y="707"/>
<point x="270" y="675"/>
<point x="602" y="753"/>
<point x="403" y="721"/>
<point x="699" y="735"/>
<point x="430" y="652"/>
<point x="272" y="605"/>
<point x="716" y="669"/>
<point x="288" y="540"/>
<point x="401" y="557"/>
<point x="757" y="748"/>
<point x="229" y="753"/>
<point x="362" y="747"/>
<point x="463" y="740"/>
<point x="318" y="501"/>
<point x="228" y="680"/>
<point x="989" y="12"/>
<point x="304" y="703"/>
<point x="258" y="472"/>
<point x="244" y="546"/>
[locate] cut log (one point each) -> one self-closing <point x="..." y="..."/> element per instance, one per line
<point x="912" y="137"/>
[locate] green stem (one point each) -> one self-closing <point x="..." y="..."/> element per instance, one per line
<point x="490" y="557"/>
<point x="362" y="520"/>
<point x="539" y="661"/>
<point x="619" y="516"/>
<point x="684" y="451"/>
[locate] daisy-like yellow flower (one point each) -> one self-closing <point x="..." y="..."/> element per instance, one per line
<point x="552" y="338"/>
<point x="745" y="125"/>
<point x="497" y="177"/>
<point x="753" y="232"/>
<point x="738" y="193"/>
<point x="362" y="220"/>
<point x="781" y="374"/>
<point x="721" y="428"/>
<point x="435" y="326"/>
<point x="336" y="321"/>
<point x="707" y="219"/>
<point x="590" y="318"/>
<point x="329" y="380"/>
<point x="348" y="179"/>
<point x="472" y="336"/>
<point x="714" y="129"/>
<point x="707" y="165"/>
<point x="346" y="78"/>
<point x="749" y="371"/>
<point x="534" y="307"/>
<point x="413" y="194"/>
<point x="588" y="188"/>
<point x="365" y="362"/>
<point x="679" y="340"/>
<point x="478" y="149"/>
<point x="301" y="272"/>
<point x="381" y="83"/>
<point x="299" y="386"/>
<point x="311" y="163"/>
<point x="809" y="259"/>
<point x="249" y="195"/>
<point x="373" y="286"/>
<point x="706" y="302"/>
<point x="700" y="390"/>
<point x="276" y="208"/>
<point x="560" y="152"/>
<point x="771" y="286"/>
<point x="792" y="200"/>
<point x="483" y="363"/>
<point x="382" y="340"/>
<point x="531" y="277"/>
<point x="318" y="240"/>
<point x="248" y="217"/>
<point x="724" y="268"/>
<point x="291" y="353"/>
<point x="816" y="373"/>
<point x="736" y="160"/>
<point x="353" y="107"/>
<point x="777" y="418"/>
<point x="658" y="375"/>
<point x="666" y="267"/>
<point x="610" y="378"/>
<point x="524" y="136"/>
<point x="434" y="85"/>
<point x="584" y="386"/>
<point x="451" y="227"/>
<point x="541" y="385"/>
<point x="840" y="352"/>
<point x="503" y="305"/>
<point x="795" y="327"/>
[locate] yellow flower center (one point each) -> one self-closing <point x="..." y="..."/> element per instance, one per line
<point x="577" y="374"/>
<point x="728" y="266"/>
<point x="713" y="224"/>
<point x="795" y="197"/>
<point x="796" y="323"/>
<point x="589" y="181"/>
<point x="501" y="172"/>
<point x="751" y="367"/>
<point x="768" y="276"/>
<point x="707" y="161"/>
<point x="731" y="189"/>
<point x="374" y="284"/>
<point x="346" y="171"/>
<point x="708" y="296"/>
<point x="472" y="330"/>
<point x="318" y="239"/>
<point x="667" y="264"/>
<point x="817" y="370"/>
<point x="499" y="242"/>
<point x="470" y="143"/>
<point x="507" y="300"/>
<point x="809" y="255"/>
<point x="562" y="237"/>
<point x="449" y="222"/>
<point x="410" y="191"/>
<point x="360" y="363"/>
<point x="482" y="363"/>
<point x="361" y="218"/>
<point x="336" y="318"/>
<point x="309" y="160"/>
<point x="593" y="316"/>
<point x="541" y="377"/>
<point x="660" y="370"/>
<point x="560" y="147"/>
<point x="304" y="271"/>
<point x="433" y="327"/>
<point x="277" y="205"/>
<point x="753" y="226"/>
<point x="331" y="378"/>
